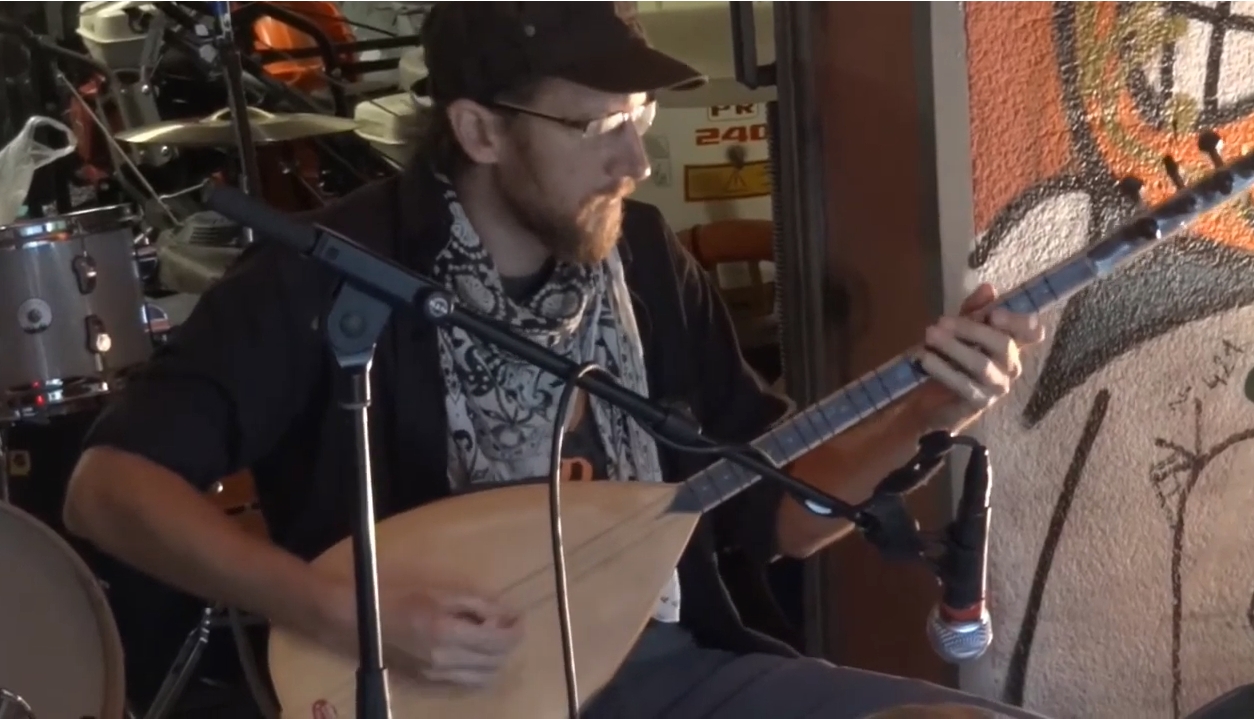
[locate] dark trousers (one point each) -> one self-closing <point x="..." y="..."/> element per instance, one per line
<point x="696" y="683"/>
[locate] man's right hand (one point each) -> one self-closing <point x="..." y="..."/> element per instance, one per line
<point x="441" y="635"/>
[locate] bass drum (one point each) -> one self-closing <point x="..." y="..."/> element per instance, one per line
<point x="151" y="617"/>
<point x="60" y="653"/>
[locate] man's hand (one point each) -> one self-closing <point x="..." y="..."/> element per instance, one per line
<point x="443" y="635"/>
<point x="974" y="358"/>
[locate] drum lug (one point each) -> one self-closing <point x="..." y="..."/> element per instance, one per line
<point x="98" y="340"/>
<point x="147" y="259"/>
<point x="85" y="273"/>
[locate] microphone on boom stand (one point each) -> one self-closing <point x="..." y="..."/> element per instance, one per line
<point x="959" y="627"/>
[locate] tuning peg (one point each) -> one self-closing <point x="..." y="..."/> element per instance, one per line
<point x="1130" y="187"/>
<point x="1173" y="171"/>
<point x="1212" y="144"/>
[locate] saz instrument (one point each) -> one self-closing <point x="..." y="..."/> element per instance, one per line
<point x="623" y="539"/>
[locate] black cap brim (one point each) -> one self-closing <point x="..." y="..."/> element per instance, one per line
<point x="634" y="67"/>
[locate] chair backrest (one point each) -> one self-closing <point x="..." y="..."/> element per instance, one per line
<point x="744" y="242"/>
<point x="725" y="241"/>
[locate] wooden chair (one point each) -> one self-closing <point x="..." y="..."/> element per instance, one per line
<point x="748" y="243"/>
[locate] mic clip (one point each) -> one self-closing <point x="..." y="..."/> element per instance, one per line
<point x="884" y="519"/>
<point x="890" y="528"/>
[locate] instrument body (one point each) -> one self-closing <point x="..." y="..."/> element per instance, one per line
<point x="60" y="652"/>
<point x="72" y="311"/>
<point x="622" y="540"/>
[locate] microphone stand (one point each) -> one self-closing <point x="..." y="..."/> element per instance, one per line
<point x="353" y="326"/>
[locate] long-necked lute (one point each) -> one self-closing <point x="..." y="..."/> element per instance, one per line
<point x="623" y="539"/>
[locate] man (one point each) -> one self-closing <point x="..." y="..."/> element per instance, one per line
<point x="518" y="205"/>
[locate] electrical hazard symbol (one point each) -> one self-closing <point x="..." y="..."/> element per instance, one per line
<point x="706" y="183"/>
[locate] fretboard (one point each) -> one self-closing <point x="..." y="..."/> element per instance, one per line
<point x="874" y="391"/>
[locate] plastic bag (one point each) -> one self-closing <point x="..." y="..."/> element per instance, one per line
<point x="21" y="157"/>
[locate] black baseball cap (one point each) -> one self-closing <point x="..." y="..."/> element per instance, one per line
<point x="477" y="50"/>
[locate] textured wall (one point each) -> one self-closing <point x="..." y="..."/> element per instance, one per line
<point x="1123" y="557"/>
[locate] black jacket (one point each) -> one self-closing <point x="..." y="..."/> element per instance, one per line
<point x="246" y="382"/>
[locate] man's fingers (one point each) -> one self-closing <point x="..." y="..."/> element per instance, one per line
<point x="940" y="370"/>
<point x="458" y="658"/>
<point x="977" y="300"/>
<point x="494" y="636"/>
<point x="461" y="677"/>
<point x="1025" y="329"/>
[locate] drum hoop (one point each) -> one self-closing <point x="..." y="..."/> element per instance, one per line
<point x="74" y="224"/>
<point x="114" y="701"/>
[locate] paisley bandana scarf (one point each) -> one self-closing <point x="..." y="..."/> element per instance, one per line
<point x="501" y="409"/>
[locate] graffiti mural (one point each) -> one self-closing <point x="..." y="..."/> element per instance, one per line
<point x="1125" y="586"/>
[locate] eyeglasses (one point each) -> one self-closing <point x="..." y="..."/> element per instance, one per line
<point x="641" y="117"/>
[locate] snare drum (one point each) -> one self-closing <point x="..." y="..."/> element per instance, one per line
<point x="59" y="647"/>
<point x="72" y="314"/>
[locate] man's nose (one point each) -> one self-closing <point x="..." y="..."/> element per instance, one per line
<point x="631" y="160"/>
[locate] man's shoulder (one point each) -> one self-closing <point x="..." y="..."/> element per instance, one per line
<point x="644" y="222"/>
<point x="368" y="211"/>
<point x="648" y="238"/>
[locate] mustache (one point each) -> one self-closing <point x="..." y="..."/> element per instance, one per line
<point x="614" y="191"/>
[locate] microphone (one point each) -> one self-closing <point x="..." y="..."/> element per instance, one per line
<point x="959" y="627"/>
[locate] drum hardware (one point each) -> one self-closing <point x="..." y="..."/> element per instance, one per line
<point x="119" y="153"/>
<point x="217" y="130"/>
<point x="4" y="468"/>
<point x="241" y="121"/>
<point x="79" y="321"/>
<point x="183" y="668"/>
<point x="146" y="259"/>
<point x="13" y="706"/>
<point x="51" y="600"/>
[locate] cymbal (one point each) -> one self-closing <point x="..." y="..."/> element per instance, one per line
<point x="217" y="129"/>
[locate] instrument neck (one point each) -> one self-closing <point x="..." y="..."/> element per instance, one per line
<point x="819" y="423"/>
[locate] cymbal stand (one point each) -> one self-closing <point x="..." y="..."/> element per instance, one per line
<point x="233" y="70"/>
<point x="4" y="462"/>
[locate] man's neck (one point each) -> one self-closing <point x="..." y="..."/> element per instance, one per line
<point x="514" y="250"/>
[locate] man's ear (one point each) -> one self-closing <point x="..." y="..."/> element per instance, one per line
<point x="477" y="129"/>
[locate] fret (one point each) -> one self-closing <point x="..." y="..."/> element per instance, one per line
<point x="800" y="433"/>
<point x="789" y="440"/>
<point x="862" y="399"/>
<point x="839" y="411"/>
<point x="772" y="446"/>
<point x="1046" y="290"/>
<point x="875" y="391"/>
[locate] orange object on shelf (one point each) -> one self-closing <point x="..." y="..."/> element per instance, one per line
<point x="304" y="74"/>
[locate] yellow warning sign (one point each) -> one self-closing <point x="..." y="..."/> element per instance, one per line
<point x="703" y="183"/>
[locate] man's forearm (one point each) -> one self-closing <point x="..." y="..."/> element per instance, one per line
<point x="849" y="467"/>
<point x="150" y="518"/>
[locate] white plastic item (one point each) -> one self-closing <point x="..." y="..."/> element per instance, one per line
<point x="412" y="67"/>
<point x="393" y="124"/>
<point x="108" y="35"/>
<point x="21" y="157"/>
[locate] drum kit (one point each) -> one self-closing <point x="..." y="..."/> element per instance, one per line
<point x="74" y="325"/>
<point x="90" y="290"/>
